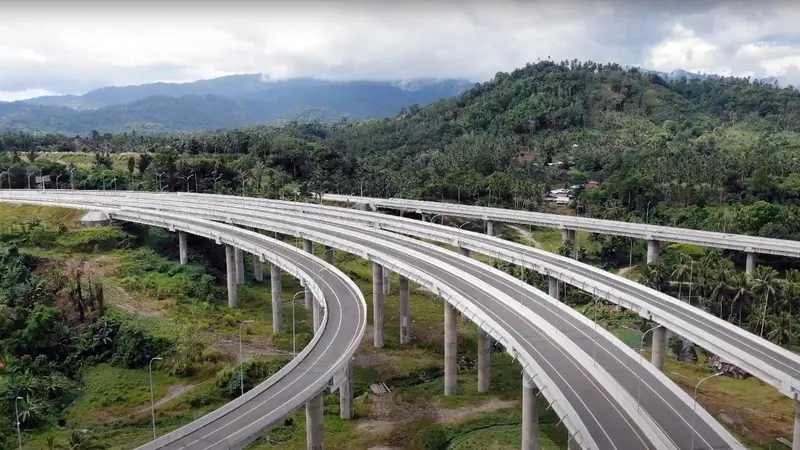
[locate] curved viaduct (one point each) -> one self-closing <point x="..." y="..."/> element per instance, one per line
<point x="542" y="327"/>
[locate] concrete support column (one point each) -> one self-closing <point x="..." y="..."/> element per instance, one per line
<point x="450" y="349"/>
<point x="464" y="251"/>
<point x="653" y="251"/>
<point x="230" y="276"/>
<point x="796" y="433"/>
<point x="750" y="265"/>
<point x="315" y="425"/>
<point x="377" y="305"/>
<point x="405" y="311"/>
<point x="182" y="247"/>
<point x="308" y="246"/>
<point x="387" y="280"/>
<point x="483" y="361"/>
<point x="659" y="347"/>
<point x="258" y="268"/>
<point x="530" y="414"/>
<point x="239" y="256"/>
<point x="346" y="394"/>
<point x="277" y="298"/>
<point x="569" y="235"/>
<point x="552" y="288"/>
<point x="328" y="255"/>
<point x="490" y="228"/>
<point x="573" y="445"/>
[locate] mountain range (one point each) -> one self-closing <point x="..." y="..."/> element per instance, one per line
<point x="234" y="101"/>
<point x="220" y="103"/>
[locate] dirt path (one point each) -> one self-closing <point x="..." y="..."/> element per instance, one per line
<point x="527" y="235"/>
<point x="459" y="414"/>
<point x="173" y="392"/>
<point x="623" y="271"/>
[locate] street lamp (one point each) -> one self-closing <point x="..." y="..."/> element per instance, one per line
<point x="435" y="216"/>
<point x="152" y="400"/>
<point x="7" y="173"/>
<point x="114" y="183"/>
<point x="158" y="180"/>
<point x="187" y="180"/>
<point x="241" y="360"/>
<point x="71" y="178"/>
<point x="294" y="336"/>
<point x="216" y="179"/>
<point x="641" y="346"/>
<point x="16" y="416"/>
<point x="42" y="177"/>
<point x="59" y="176"/>
<point x="29" y="179"/>
<point x="694" y="406"/>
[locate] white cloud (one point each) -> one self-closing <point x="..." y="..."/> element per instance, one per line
<point x="12" y="96"/>
<point x="78" y="47"/>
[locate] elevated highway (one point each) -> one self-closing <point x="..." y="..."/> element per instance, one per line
<point x="663" y="406"/>
<point x="751" y="245"/>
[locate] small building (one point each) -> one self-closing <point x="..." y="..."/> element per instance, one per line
<point x="591" y="185"/>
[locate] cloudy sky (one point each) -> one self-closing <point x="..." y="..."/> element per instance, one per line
<point x="73" y="47"/>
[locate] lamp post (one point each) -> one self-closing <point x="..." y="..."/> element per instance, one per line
<point x="294" y="336"/>
<point x="694" y="405"/>
<point x="114" y="183"/>
<point x="41" y="176"/>
<point x="71" y="178"/>
<point x="29" y="179"/>
<point x="7" y="173"/>
<point x="16" y="417"/>
<point x="641" y="346"/>
<point x="216" y="179"/>
<point x="152" y="399"/>
<point x="241" y="358"/>
<point x="59" y="176"/>
<point x="158" y="180"/>
<point x="187" y="180"/>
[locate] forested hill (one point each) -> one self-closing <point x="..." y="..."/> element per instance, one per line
<point x="220" y="103"/>
<point x="662" y="149"/>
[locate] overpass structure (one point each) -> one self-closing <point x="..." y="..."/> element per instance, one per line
<point x="751" y="245"/>
<point x="339" y="324"/>
<point x="660" y="420"/>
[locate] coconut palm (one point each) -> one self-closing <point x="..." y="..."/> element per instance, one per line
<point x="765" y="285"/>
<point x="681" y="271"/>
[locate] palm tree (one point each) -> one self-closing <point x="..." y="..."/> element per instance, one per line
<point x="782" y="329"/>
<point x="680" y="272"/>
<point x="791" y="288"/>
<point x="764" y="284"/>
<point x="740" y="282"/>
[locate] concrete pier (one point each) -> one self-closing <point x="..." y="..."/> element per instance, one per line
<point x="230" y="276"/>
<point x="346" y="394"/>
<point x="450" y="349"/>
<point x="483" y="361"/>
<point x="316" y="313"/>
<point x="653" y="251"/>
<point x="387" y="281"/>
<point x="182" y="247"/>
<point x="750" y="265"/>
<point x="277" y="298"/>
<point x="530" y="414"/>
<point x="315" y="425"/>
<point x="377" y="304"/>
<point x="239" y="256"/>
<point x="405" y="310"/>
<point x="258" y="268"/>
<point x="659" y="347"/>
<point x="552" y="288"/>
<point x="490" y="228"/>
<point x="328" y="255"/>
<point x="308" y="246"/>
<point x="569" y="235"/>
